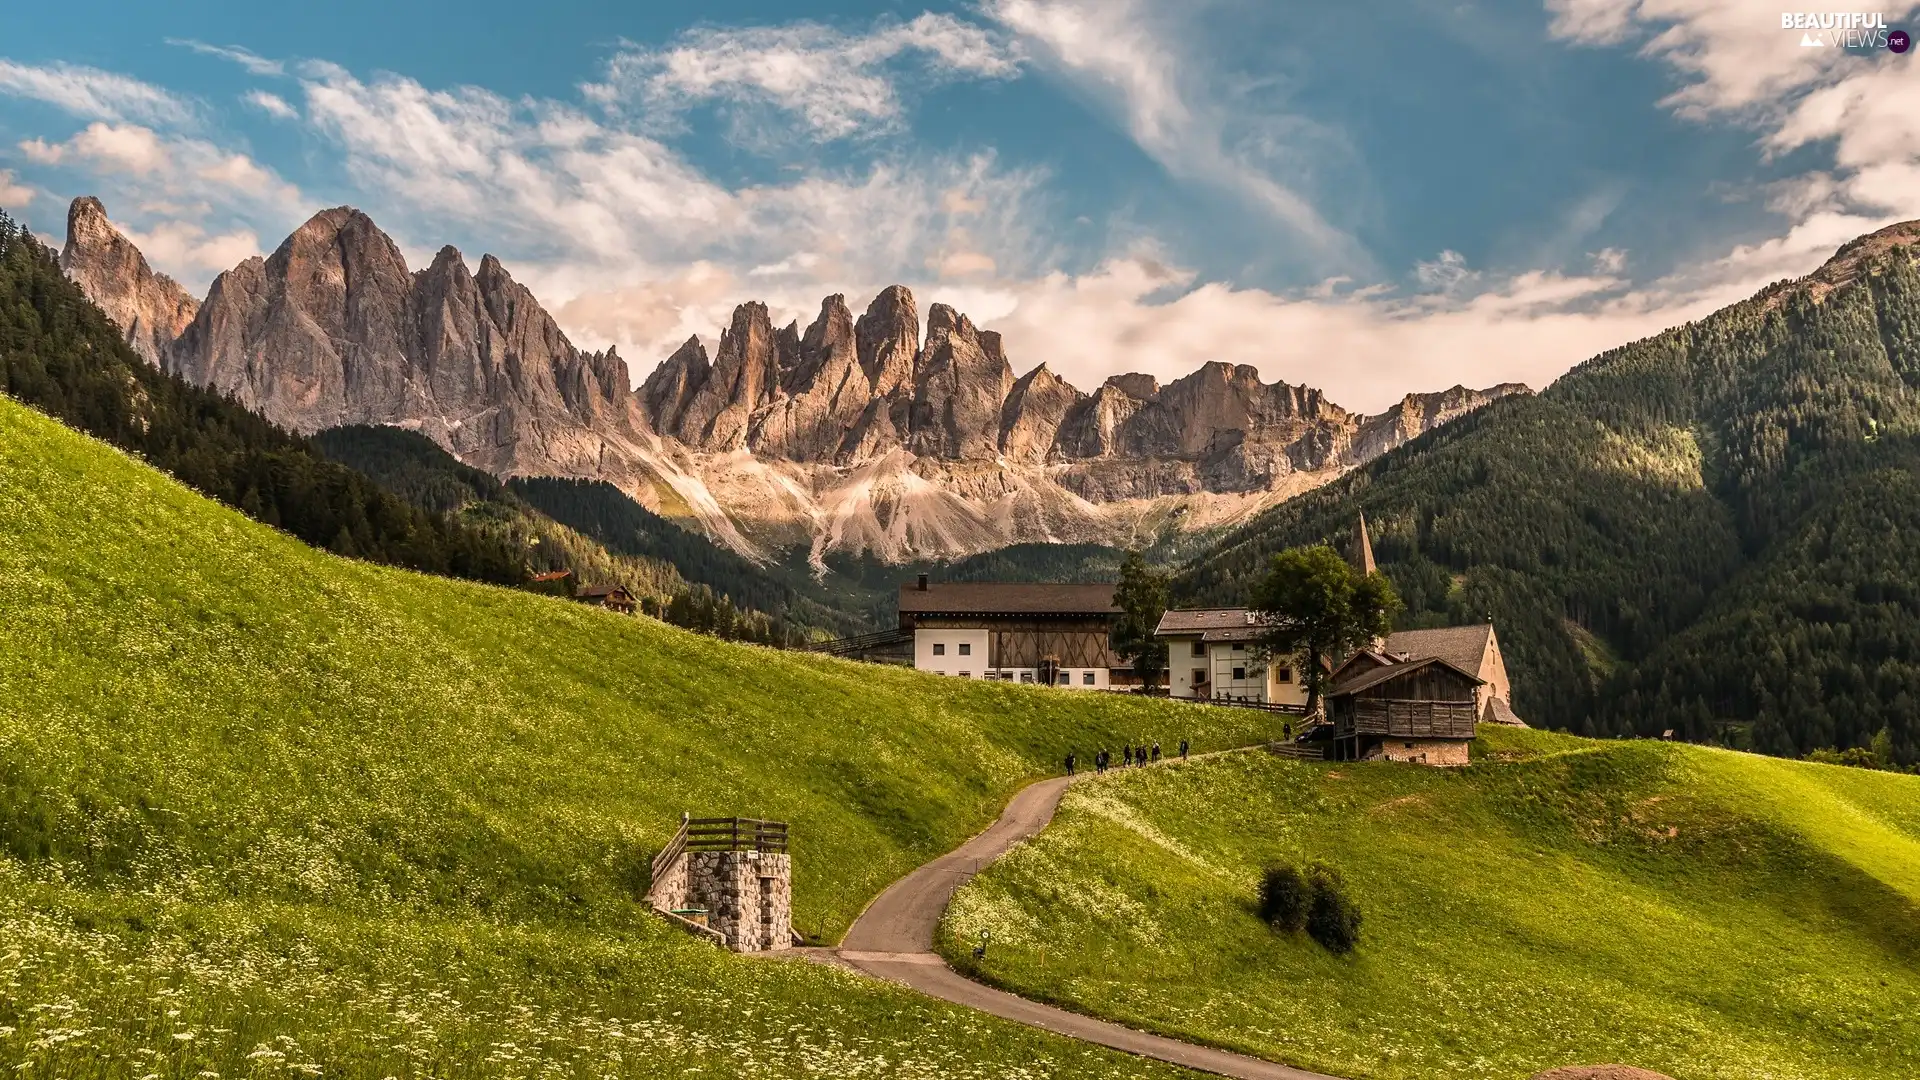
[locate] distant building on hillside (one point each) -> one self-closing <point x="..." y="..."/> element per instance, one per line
<point x="1419" y="710"/>
<point x="1043" y="634"/>
<point x="1473" y="649"/>
<point x="1211" y="654"/>
<point x="611" y="597"/>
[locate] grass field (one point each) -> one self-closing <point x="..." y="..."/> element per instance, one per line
<point x="264" y="811"/>
<point x="1699" y="912"/>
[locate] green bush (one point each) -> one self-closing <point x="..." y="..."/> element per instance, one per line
<point x="1333" y="919"/>
<point x="1284" y="898"/>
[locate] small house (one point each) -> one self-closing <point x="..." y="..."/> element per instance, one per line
<point x="1212" y="653"/>
<point x="611" y="597"/>
<point x="1419" y="710"/>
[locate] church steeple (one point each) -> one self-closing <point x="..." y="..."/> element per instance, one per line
<point x="1362" y="547"/>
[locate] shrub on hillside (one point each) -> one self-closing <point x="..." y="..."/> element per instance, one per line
<point x="1333" y="919"/>
<point x="1284" y="898"/>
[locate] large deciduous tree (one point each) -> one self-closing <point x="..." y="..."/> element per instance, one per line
<point x="1315" y="607"/>
<point x="1141" y="597"/>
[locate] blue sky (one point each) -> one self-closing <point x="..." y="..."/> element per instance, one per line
<point x="1375" y="197"/>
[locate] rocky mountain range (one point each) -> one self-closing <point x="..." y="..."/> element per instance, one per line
<point x="871" y="433"/>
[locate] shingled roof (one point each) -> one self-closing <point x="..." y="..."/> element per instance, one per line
<point x="1211" y="624"/>
<point x="1465" y="647"/>
<point x="1007" y="598"/>
<point x="1387" y="674"/>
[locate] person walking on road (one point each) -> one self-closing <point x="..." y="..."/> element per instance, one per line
<point x="1156" y="749"/>
<point x="1129" y="757"/>
<point x="1183" y="749"/>
<point x="1069" y="763"/>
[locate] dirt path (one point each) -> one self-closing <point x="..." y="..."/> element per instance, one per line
<point x="893" y="939"/>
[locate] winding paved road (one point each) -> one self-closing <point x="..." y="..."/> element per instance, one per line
<point x="893" y="939"/>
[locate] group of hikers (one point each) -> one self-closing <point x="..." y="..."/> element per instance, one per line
<point x="1131" y="755"/>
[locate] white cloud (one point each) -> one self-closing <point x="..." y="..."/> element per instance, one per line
<point x="1737" y="63"/>
<point x="1608" y="260"/>
<point x="94" y="94"/>
<point x="1446" y="272"/>
<point x="186" y="246"/>
<point x="13" y="195"/>
<point x="1123" y="55"/>
<point x="253" y="62"/>
<point x="837" y="84"/>
<point x="272" y="104"/>
<point x="566" y="186"/>
<point x="165" y="164"/>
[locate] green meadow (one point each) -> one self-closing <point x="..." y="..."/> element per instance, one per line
<point x="268" y="812"/>
<point x="1699" y="912"/>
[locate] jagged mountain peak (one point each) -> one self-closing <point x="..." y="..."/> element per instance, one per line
<point x="151" y="308"/>
<point x="873" y="432"/>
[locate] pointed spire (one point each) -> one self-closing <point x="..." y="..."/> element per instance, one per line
<point x="1362" y="547"/>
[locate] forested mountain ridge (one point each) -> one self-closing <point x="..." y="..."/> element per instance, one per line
<point x="62" y="355"/>
<point x="1704" y="530"/>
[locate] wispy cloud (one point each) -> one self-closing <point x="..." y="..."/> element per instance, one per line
<point x="146" y="165"/>
<point x="252" y="61"/>
<point x="1124" y="55"/>
<point x="836" y="84"/>
<point x="93" y="94"/>
<point x="1737" y="64"/>
<point x="272" y="104"/>
<point x="12" y="195"/>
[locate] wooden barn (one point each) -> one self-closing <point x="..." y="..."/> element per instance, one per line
<point x="1421" y="710"/>
<point x="1045" y="634"/>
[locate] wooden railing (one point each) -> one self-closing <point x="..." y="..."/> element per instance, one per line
<point x="1249" y="703"/>
<point x="672" y="851"/>
<point x="734" y="834"/>
<point x="847" y="646"/>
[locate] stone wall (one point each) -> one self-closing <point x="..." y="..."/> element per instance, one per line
<point x="748" y="896"/>
<point x="1424" y="751"/>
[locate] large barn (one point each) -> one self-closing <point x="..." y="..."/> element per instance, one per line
<point x="1044" y="634"/>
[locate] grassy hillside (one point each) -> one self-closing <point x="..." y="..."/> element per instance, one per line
<point x="256" y="796"/>
<point x="1700" y="912"/>
<point x="1617" y="524"/>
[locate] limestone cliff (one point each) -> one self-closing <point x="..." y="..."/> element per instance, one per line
<point x="151" y="308"/>
<point x="854" y="434"/>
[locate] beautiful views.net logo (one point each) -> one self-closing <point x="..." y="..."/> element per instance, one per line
<point x="1845" y="30"/>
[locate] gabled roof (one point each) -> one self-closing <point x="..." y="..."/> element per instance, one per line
<point x="1007" y="598"/>
<point x="1499" y="712"/>
<point x="1465" y="647"/>
<point x="1199" y="620"/>
<point x="597" y="591"/>
<point x="1379" y="675"/>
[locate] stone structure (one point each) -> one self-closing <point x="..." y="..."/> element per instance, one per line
<point x="728" y="879"/>
<point x="748" y="896"/>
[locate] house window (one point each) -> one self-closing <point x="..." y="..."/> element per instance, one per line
<point x="966" y="649"/>
<point x="1026" y="676"/>
<point x="1284" y="675"/>
<point x="1199" y="648"/>
<point x="939" y="649"/>
<point x="1066" y="679"/>
<point x="1239" y="647"/>
<point x="1199" y="677"/>
<point x="1239" y="673"/>
<point x="1087" y="679"/>
<point x="1407" y="745"/>
<point x="966" y="674"/>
